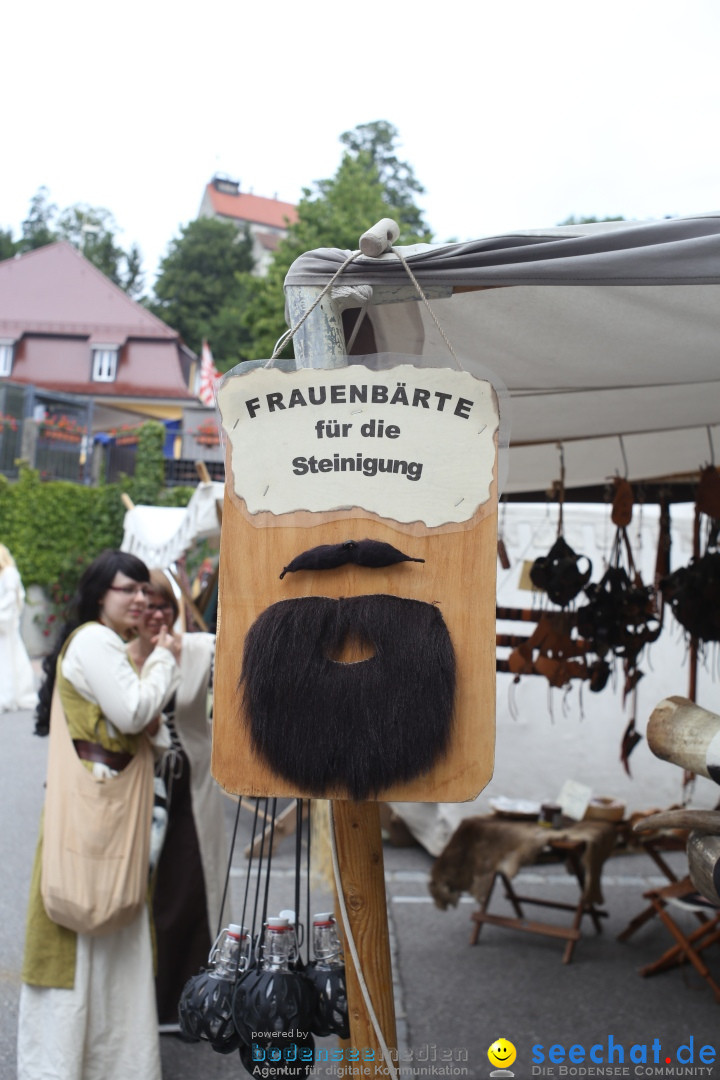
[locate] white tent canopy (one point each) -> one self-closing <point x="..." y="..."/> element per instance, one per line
<point x="606" y="337"/>
<point x="160" y="535"/>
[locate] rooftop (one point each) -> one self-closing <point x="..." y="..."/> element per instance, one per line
<point x="56" y="290"/>
<point x="228" y="200"/>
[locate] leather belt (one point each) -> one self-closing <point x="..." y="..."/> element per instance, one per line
<point x="90" y="751"/>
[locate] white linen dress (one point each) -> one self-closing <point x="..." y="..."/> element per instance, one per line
<point x="105" y="1027"/>
<point x="17" y="682"/>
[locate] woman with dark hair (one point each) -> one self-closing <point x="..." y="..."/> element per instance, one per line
<point x="92" y="588"/>
<point x="187" y="888"/>
<point x="87" y="1004"/>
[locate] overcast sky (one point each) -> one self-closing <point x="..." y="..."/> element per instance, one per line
<point x="513" y="114"/>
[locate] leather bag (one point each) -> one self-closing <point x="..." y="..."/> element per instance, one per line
<point x="96" y="836"/>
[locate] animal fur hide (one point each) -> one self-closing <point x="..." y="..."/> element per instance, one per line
<point x="481" y="847"/>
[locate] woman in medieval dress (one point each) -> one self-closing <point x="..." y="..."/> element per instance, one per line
<point x="187" y="889"/>
<point x="87" y="1004"/>
<point x="17" y="683"/>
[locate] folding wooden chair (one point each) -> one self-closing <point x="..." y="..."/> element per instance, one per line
<point x="688" y="947"/>
<point x="656" y="847"/>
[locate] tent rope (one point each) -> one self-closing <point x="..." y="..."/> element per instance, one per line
<point x="290" y="333"/>
<point x="426" y="302"/>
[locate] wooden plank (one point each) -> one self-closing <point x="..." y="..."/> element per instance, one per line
<point x="546" y="929"/>
<point x="510" y="641"/>
<point x="196" y="614"/>
<point x="459" y="575"/>
<point x="360" y="857"/>
<point x="202" y="470"/>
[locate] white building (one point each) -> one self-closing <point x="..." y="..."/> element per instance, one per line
<point x="267" y="219"/>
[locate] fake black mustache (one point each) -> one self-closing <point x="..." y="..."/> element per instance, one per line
<point x="360" y="552"/>
<point x="362" y="726"/>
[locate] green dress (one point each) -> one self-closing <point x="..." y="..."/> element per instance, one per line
<point x="49" y="958"/>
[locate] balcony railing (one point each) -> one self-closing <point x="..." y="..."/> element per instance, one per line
<point x="65" y="453"/>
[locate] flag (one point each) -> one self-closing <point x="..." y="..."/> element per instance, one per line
<point x="208" y="374"/>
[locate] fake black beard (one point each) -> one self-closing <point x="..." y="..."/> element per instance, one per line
<point x="364" y="726"/>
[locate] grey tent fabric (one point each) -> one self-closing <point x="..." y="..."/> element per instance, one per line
<point x="606" y="338"/>
<point x="677" y="251"/>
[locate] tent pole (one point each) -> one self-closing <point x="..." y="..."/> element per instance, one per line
<point x="693" y="659"/>
<point x="320" y="342"/>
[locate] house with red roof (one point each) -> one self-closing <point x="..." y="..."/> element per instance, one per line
<point x="266" y="219"/>
<point x="79" y="355"/>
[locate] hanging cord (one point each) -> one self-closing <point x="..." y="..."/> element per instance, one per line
<point x="256" y="942"/>
<point x="250" y="862"/>
<point x="560" y="488"/>
<point x="238" y="956"/>
<point x="307" y="883"/>
<point x="229" y="865"/>
<point x="298" y="869"/>
<point x="392" y="1071"/>
<point x="426" y="302"/>
<point x="292" y="331"/>
<point x="271" y="844"/>
<point x="632" y="572"/>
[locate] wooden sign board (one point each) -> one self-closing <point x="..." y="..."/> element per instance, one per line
<point x="406" y="457"/>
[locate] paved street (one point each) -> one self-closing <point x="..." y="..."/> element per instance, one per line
<point x="452" y="1001"/>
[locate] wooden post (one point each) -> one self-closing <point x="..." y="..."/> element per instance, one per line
<point x="321" y="341"/>
<point x="196" y="614"/>
<point x="202" y="470"/>
<point x="359" y="850"/>
<point x="693" y="651"/>
<point x="250" y="587"/>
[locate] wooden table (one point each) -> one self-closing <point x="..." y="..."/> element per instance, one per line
<point x="485" y="849"/>
<point x="567" y="850"/>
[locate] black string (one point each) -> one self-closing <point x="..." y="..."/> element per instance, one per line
<point x="269" y="863"/>
<point x="247" y="885"/>
<point x="298" y="856"/>
<point x="307" y="886"/>
<point x="229" y="865"/>
<point x="257" y="944"/>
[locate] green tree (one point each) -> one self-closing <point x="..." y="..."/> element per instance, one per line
<point x="8" y="246"/>
<point x="370" y="184"/>
<point x="573" y="220"/>
<point x="201" y="288"/>
<point x="37" y="228"/>
<point x="400" y="185"/>
<point x="92" y="230"/>
<point x="149" y="477"/>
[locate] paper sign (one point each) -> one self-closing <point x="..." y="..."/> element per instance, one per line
<point x="409" y="444"/>
<point x="574" y="799"/>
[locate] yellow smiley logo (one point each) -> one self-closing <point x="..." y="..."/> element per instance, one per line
<point x="502" y="1053"/>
